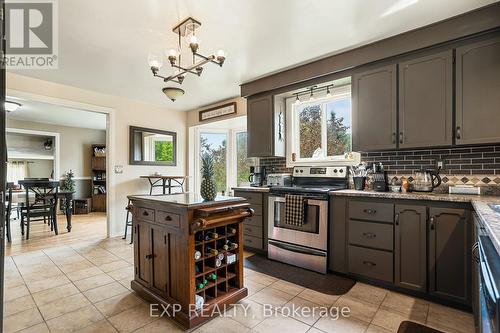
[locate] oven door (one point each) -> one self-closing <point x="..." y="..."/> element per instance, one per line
<point x="313" y="233"/>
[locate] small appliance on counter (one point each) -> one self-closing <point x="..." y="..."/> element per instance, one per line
<point x="379" y="178"/>
<point x="426" y="181"/>
<point x="279" y="179"/>
<point x="257" y="176"/>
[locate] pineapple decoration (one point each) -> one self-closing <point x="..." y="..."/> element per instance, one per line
<point x="208" y="189"/>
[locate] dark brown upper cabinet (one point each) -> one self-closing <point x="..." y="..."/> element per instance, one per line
<point x="425" y="101"/>
<point x="374" y="109"/>
<point x="265" y="126"/>
<point x="449" y="254"/>
<point x="477" y="92"/>
<point x="410" y="247"/>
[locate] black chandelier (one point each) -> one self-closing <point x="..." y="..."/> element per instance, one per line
<point x="186" y="29"/>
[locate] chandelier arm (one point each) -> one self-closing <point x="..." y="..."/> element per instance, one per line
<point x="209" y="58"/>
<point x="188" y="69"/>
<point x="185" y="69"/>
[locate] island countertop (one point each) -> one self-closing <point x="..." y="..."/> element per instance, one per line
<point x="186" y="200"/>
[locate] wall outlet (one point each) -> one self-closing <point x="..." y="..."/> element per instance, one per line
<point x="118" y="169"/>
<point x="440" y="164"/>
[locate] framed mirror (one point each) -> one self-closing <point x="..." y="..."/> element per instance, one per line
<point x="152" y="147"/>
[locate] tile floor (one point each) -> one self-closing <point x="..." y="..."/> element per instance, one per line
<point x="86" y="288"/>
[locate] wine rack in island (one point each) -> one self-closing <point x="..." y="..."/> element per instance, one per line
<point x="188" y="254"/>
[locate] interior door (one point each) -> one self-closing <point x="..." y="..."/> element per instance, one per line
<point x="3" y="165"/>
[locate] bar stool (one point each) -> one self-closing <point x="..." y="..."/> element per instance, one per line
<point x="128" y="222"/>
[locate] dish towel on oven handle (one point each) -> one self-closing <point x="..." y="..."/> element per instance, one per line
<point x="294" y="210"/>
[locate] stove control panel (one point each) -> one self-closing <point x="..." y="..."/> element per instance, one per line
<point x="321" y="172"/>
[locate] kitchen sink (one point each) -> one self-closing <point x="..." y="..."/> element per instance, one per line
<point x="495" y="207"/>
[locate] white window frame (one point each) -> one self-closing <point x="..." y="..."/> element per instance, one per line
<point x="231" y="163"/>
<point x="293" y="135"/>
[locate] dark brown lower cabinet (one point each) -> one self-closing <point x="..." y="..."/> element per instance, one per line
<point x="410" y="242"/>
<point x="142" y="240"/>
<point x="449" y="254"/>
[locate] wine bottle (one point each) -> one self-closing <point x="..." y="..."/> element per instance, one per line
<point x="231" y="230"/>
<point x="199" y="285"/>
<point x="232" y="245"/>
<point x="211" y="235"/>
<point x="209" y="250"/>
<point x="198" y="237"/>
<point x="218" y="262"/>
<point x="197" y="269"/>
<point x="220" y="256"/>
<point x="197" y="255"/>
<point x="213" y="276"/>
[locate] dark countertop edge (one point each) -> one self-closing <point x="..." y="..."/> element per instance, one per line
<point x="184" y="205"/>
<point x="479" y="203"/>
<point x="263" y="189"/>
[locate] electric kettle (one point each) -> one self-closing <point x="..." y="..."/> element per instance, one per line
<point x="426" y="181"/>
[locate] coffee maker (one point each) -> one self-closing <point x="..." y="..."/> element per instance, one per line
<point x="257" y="175"/>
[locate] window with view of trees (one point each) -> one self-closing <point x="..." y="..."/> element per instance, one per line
<point x="216" y="145"/>
<point x="322" y="128"/>
<point x="242" y="161"/>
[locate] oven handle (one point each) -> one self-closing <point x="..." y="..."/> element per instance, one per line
<point x="296" y="249"/>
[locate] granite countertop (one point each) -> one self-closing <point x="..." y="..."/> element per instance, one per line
<point x="480" y="203"/>
<point x="252" y="188"/>
<point x="188" y="200"/>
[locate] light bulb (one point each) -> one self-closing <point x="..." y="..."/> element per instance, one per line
<point x="155" y="61"/>
<point x="172" y="53"/>
<point x="311" y="97"/>
<point x="328" y="93"/>
<point x="297" y="99"/>
<point x="221" y="53"/>
<point x="193" y="40"/>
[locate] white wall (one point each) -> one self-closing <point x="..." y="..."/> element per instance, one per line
<point x="75" y="145"/>
<point x="125" y="112"/>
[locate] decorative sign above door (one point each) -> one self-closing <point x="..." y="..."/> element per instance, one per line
<point x="218" y="111"/>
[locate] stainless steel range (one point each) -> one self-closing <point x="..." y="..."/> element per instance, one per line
<point x="304" y="244"/>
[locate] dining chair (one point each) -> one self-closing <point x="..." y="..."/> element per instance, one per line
<point x="42" y="207"/>
<point x="8" y="210"/>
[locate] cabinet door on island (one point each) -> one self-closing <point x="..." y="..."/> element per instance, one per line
<point x="410" y="242"/>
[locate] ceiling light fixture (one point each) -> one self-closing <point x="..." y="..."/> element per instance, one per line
<point x="311" y="96"/>
<point x="12" y="106"/>
<point x="297" y="99"/>
<point x="328" y="93"/>
<point x="173" y="93"/>
<point x="186" y="29"/>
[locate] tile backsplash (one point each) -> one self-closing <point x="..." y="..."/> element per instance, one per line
<point x="478" y="165"/>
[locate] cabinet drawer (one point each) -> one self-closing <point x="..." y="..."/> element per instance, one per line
<point x="257" y="210"/>
<point x="252" y="197"/>
<point x="371" y="234"/>
<point x="372" y="211"/>
<point x="253" y="220"/>
<point x="371" y="263"/>
<point x="253" y="242"/>
<point x="170" y="219"/>
<point x="145" y="214"/>
<point x="251" y="230"/>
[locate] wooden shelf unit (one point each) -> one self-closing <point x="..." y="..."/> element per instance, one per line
<point x="98" y="180"/>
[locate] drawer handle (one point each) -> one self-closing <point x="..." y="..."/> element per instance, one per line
<point x="168" y="218"/>
<point x="370" y="211"/>
<point x="475" y="250"/>
<point x="150" y="256"/>
<point x="371" y="263"/>
<point x="459" y="133"/>
<point x="145" y="213"/>
<point x="432" y="223"/>
<point x="369" y="234"/>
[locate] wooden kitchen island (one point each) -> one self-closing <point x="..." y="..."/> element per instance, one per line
<point x="186" y="250"/>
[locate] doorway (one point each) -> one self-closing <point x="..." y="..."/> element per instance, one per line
<point x="64" y="144"/>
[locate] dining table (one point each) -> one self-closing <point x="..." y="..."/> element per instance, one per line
<point x="19" y="197"/>
<point x="165" y="182"/>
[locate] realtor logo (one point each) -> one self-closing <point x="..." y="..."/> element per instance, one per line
<point x="31" y="34"/>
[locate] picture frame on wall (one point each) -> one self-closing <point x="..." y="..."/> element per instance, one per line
<point x="218" y="111"/>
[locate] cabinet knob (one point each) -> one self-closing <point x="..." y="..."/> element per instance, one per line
<point x="459" y="133"/>
<point x="145" y="213"/>
<point x="394" y="137"/>
<point x="168" y="218"/>
<point x="432" y="223"/>
<point x="369" y="235"/>
<point x="397" y="219"/>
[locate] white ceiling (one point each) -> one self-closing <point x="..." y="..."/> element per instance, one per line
<point x="104" y="45"/>
<point x="56" y="115"/>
